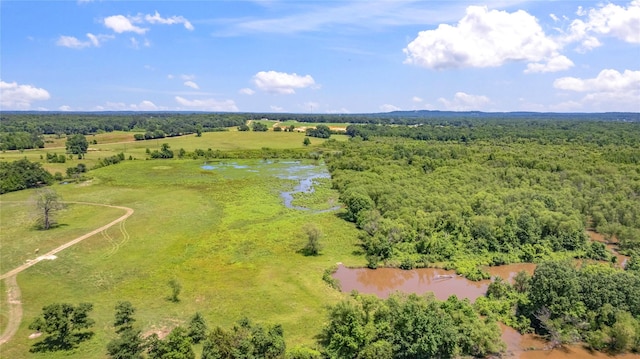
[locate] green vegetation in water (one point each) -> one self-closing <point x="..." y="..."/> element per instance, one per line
<point x="321" y="198"/>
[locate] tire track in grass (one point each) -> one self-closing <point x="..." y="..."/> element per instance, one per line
<point x="13" y="291"/>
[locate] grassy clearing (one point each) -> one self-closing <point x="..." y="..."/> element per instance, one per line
<point x="226" y="237"/>
<point x="21" y="240"/>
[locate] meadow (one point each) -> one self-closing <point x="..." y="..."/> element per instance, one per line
<point x="111" y="143"/>
<point x="225" y="237"/>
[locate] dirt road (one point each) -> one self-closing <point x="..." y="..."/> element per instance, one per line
<point x="13" y="291"/>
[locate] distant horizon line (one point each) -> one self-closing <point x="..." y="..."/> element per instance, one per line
<point x="319" y="114"/>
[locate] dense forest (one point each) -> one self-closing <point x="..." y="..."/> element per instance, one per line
<point x="497" y="193"/>
<point x="462" y="204"/>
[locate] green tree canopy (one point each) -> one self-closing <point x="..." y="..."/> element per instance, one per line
<point x="77" y="144"/>
<point x="65" y="324"/>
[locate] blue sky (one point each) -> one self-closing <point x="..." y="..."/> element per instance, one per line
<point x="340" y="56"/>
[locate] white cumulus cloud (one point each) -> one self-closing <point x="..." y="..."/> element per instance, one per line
<point x="145" y="105"/>
<point x="465" y="102"/>
<point x="246" y="91"/>
<point x="281" y="82"/>
<point x="75" y="43"/>
<point x="557" y="63"/>
<point x="72" y="42"/>
<point x="19" y="97"/>
<point x="121" y="23"/>
<point x="389" y="108"/>
<point x="192" y="84"/>
<point x="610" y="90"/>
<point x="208" y="104"/>
<point x="482" y="38"/>
<point x="416" y="99"/>
<point x="157" y="19"/>
<point x="610" y="19"/>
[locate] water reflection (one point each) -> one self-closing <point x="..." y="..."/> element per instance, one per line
<point x="443" y="283"/>
<point x="384" y="281"/>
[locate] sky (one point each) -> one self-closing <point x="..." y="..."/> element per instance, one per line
<point x="321" y="57"/>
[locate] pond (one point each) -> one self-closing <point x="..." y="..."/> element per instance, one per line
<point x="443" y="283"/>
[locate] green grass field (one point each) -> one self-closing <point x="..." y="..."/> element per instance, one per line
<point x="110" y="144"/>
<point x="225" y="236"/>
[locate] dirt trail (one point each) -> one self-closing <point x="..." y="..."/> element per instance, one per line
<point x="13" y="291"/>
<point x="15" y="310"/>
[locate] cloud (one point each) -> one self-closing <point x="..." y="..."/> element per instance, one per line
<point x="281" y="82"/>
<point x="389" y="108"/>
<point x="611" y="20"/>
<point x="246" y="91"/>
<point x="145" y="105"/>
<point x="75" y="43"/>
<point x="464" y="102"/>
<point x="188" y="77"/>
<point x="120" y="24"/>
<point x="157" y="19"/>
<point x="192" y="84"/>
<point x="72" y="42"/>
<point x="64" y="108"/>
<point x="416" y="99"/>
<point x="351" y="16"/>
<point x="115" y="106"/>
<point x="208" y="104"/>
<point x="557" y="63"/>
<point x="275" y="108"/>
<point x="610" y="90"/>
<point x="482" y="38"/>
<point x="20" y="97"/>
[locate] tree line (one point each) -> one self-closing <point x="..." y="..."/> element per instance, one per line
<point x="461" y="205"/>
<point x="20" y="130"/>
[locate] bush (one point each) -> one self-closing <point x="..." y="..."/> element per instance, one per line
<point x="327" y="276"/>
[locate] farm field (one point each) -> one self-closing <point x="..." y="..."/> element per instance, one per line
<point x="227" y="238"/>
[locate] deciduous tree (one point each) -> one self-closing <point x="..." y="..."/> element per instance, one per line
<point x="47" y="202"/>
<point x="65" y="324"/>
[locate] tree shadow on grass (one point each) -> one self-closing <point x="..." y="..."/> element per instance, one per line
<point x="54" y="343"/>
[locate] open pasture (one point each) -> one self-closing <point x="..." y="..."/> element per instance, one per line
<point x="224" y="235"/>
<point x="124" y="143"/>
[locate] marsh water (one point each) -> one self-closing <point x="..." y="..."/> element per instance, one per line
<point x="304" y="177"/>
